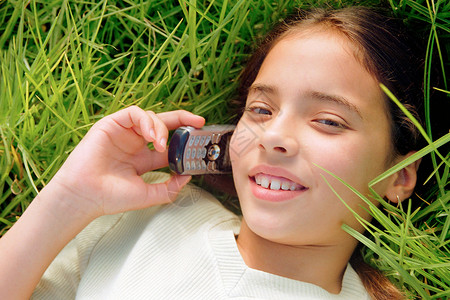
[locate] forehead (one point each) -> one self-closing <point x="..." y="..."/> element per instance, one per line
<point x="332" y="33"/>
<point x="307" y="51"/>
<point x="321" y="61"/>
<point x="322" y="38"/>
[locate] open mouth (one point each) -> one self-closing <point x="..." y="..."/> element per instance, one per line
<point x="276" y="183"/>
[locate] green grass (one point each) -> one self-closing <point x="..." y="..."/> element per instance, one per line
<point x="66" y="64"/>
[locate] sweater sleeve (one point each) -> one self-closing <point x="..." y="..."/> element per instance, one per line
<point x="62" y="277"/>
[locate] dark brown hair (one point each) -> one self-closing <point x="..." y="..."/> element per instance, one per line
<point x="385" y="49"/>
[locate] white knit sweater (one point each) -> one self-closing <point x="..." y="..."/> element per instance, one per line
<point x="185" y="250"/>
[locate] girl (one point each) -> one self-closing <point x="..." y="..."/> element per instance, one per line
<point x="312" y="101"/>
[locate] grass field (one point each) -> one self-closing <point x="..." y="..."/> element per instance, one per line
<point x="65" y="64"/>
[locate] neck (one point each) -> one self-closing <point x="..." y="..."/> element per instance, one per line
<point x="323" y="266"/>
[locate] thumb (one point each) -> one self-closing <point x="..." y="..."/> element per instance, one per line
<point x="165" y="192"/>
<point x="175" y="184"/>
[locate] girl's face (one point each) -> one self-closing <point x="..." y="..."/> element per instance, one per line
<point x="311" y="104"/>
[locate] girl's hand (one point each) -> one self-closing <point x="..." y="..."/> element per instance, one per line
<point x="102" y="175"/>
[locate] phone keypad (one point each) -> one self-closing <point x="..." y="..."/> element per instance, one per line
<point x="196" y="152"/>
<point x="215" y="138"/>
<point x="208" y="139"/>
<point x="211" y="166"/>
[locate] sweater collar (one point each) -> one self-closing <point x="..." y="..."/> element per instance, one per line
<point x="241" y="281"/>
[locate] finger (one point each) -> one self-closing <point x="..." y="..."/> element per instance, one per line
<point x="175" y="184"/>
<point x="175" y="119"/>
<point x="137" y="119"/>
<point x="161" y="133"/>
<point x="149" y="160"/>
<point x="160" y="193"/>
<point x="116" y="130"/>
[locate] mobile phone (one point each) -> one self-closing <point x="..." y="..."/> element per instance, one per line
<point x="201" y="151"/>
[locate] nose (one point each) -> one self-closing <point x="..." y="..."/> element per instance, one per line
<point x="279" y="138"/>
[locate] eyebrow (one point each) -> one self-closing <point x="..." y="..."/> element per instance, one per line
<point x="339" y="100"/>
<point x="263" y="88"/>
<point x="342" y="101"/>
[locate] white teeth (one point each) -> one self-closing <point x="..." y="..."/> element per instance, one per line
<point x="265" y="182"/>
<point x="275" y="184"/>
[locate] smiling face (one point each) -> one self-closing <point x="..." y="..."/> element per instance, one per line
<point x="311" y="104"/>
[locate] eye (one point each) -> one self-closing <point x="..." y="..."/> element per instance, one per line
<point x="331" y="123"/>
<point x="258" y="110"/>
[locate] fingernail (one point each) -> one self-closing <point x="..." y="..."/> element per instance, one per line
<point x="163" y="142"/>
<point x="152" y="133"/>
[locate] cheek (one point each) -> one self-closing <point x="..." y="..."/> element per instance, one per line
<point x="242" y="140"/>
<point x="335" y="154"/>
<point x="355" y="161"/>
<point x="353" y="165"/>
